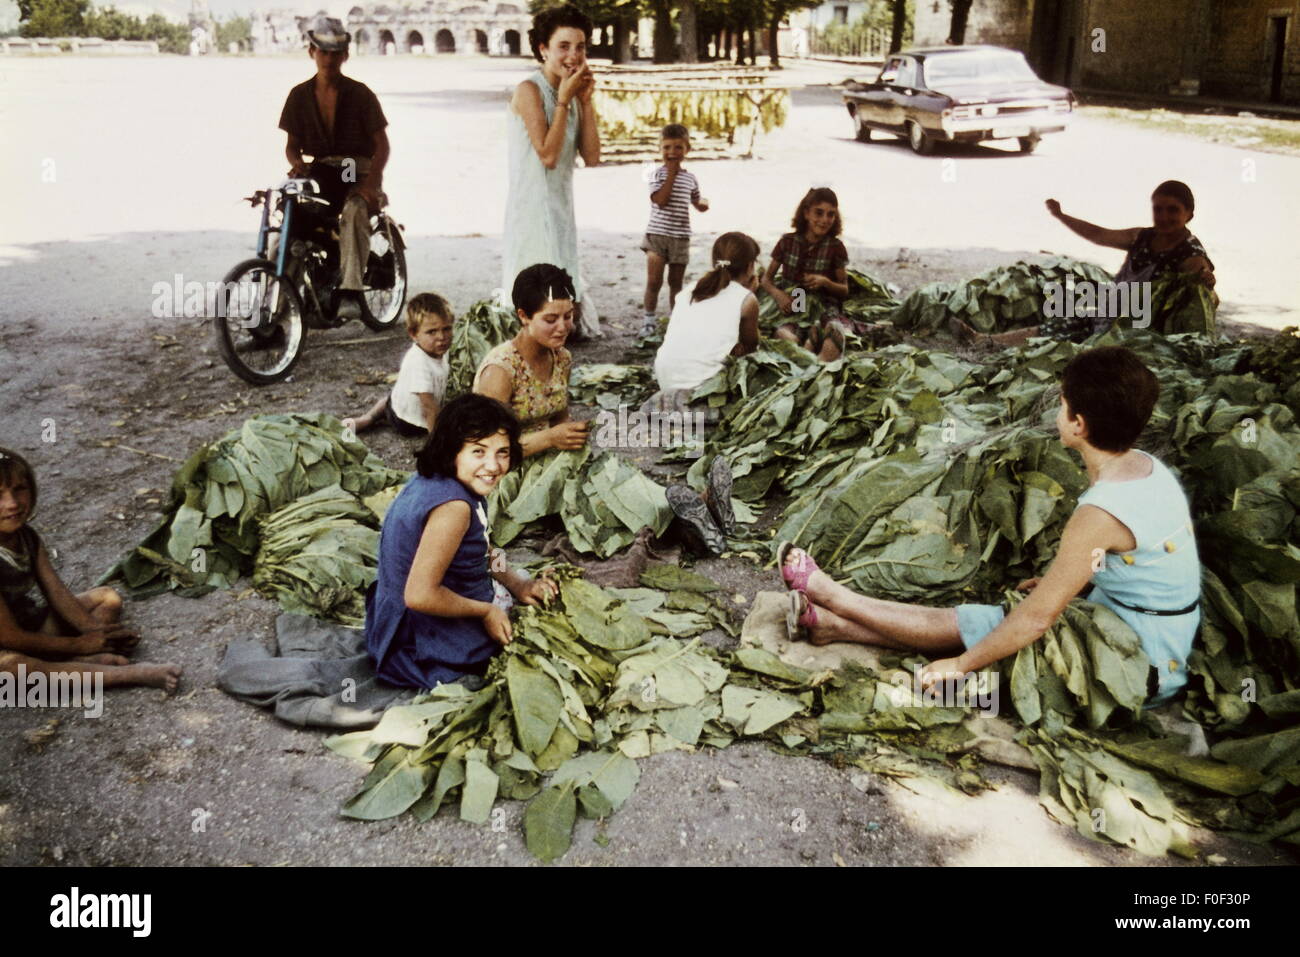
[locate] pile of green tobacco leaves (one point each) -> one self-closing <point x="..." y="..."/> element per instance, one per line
<point x="1182" y="303"/>
<point x="318" y="556"/>
<point x="910" y="474"/>
<point x="606" y="385"/>
<point x="928" y="478"/>
<point x="602" y="500"/>
<point x="481" y="327"/>
<point x="869" y="300"/>
<point x="283" y="495"/>
<point x="1006" y="297"/>
<point x="596" y="681"/>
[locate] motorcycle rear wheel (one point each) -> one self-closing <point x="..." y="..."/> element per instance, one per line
<point x="384" y="285"/>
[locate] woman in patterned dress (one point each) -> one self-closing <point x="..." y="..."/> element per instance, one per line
<point x="530" y="373"/>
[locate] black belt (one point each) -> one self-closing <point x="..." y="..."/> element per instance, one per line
<point x="1151" y="611"/>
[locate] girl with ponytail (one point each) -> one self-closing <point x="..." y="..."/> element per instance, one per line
<point x="721" y="318"/>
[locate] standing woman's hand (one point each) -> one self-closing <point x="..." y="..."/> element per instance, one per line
<point x="588" y="86"/>
<point x="1053" y="207"/>
<point x="570" y="86"/>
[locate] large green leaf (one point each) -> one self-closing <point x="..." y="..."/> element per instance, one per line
<point x="548" y="823"/>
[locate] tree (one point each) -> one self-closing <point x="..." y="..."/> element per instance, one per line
<point x="665" y="42"/>
<point x="779" y="10"/>
<point x="957" y="26"/>
<point x="53" y="18"/>
<point x="688" y="21"/>
<point x="235" y="30"/>
<point x="899" y="26"/>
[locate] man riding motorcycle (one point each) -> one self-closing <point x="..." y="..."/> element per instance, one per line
<point x="338" y="122"/>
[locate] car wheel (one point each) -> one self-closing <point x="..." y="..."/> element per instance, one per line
<point x="863" y="131"/>
<point x="1029" y="143"/>
<point x="916" y="138"/>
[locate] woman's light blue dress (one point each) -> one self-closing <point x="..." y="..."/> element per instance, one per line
<point x="1162" y="573"/>
<point x="540" y="227"/>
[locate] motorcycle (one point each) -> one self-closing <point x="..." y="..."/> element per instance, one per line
<point x="268" y="303"/>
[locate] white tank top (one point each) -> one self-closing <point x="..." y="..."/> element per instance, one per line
<point x="700" y="336"/>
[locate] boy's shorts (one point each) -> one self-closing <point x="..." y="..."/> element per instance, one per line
<point x="675" y="250"/>
<point x="402" y="427"/>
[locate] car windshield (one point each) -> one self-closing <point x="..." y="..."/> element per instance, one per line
<point x="979" y="67"/>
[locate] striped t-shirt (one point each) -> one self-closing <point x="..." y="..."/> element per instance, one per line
<point x="673" y="219"/>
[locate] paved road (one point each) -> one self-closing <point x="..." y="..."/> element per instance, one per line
<point x="149" y="156"/>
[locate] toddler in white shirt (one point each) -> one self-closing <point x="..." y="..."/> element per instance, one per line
<point x="412" y="407"/>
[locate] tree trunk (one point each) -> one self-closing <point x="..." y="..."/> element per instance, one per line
<point x="773" y="29"/>
<point x="622" y="42"/>
<point x="724" y="45"/>
<point x="665" y="42"/>
<point x="957" y="27"/>
<point x="900" y="23"/>
<point x="753" y="44"/>
<point x="687" y="23"/>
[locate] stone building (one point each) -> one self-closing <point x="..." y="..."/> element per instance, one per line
<point x="279" y="31"/>
<point x="441" y="26"/>
<point x="1234" y="49"/>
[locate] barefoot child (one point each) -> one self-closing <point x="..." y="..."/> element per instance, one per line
<point x="44" y="627"/>
<point x="412" y="407"/>
<point x="433" y="614"/>
<point x="668" y="237"/>
<point x="813" y="258"/>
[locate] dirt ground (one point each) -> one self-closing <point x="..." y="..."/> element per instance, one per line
<point x="106" y="401"/>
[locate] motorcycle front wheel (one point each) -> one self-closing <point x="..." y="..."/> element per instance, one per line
<point x="259" y="323"/>
<point x="384" y="284"/>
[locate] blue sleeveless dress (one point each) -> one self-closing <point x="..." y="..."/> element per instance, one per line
<point x="410" y="648"/>
<point x="1162" y="574"/>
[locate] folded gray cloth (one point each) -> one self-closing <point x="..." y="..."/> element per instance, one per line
<point x="319" y="675"/>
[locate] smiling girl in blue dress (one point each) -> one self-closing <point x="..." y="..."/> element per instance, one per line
<point x="433" y="614"/>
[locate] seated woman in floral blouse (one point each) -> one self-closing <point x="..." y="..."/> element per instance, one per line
<point x="530" y="373"/>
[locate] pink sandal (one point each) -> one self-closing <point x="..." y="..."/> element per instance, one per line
<point x="800" y="616"/>
<point x="795" y="577"/>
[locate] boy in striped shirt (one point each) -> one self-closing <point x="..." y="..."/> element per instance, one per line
<point x="668" y="237"/>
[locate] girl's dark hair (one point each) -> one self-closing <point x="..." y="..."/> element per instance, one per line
<point x="1114" y="392"/>
<point x="818" y="194"/>
<point x="464" y="419"/>
<point x="14" y="469"/>
<point x="1175" y="189"/>
<point x="738" y="251"/>
<point x="539" y="284"/>
<point x="548" y="21"/>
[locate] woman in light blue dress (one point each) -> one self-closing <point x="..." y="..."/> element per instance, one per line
<point x="1130" y="537"/>
<point x="551" y="120"/>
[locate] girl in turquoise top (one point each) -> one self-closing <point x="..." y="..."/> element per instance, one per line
<point x="1130" y="537"/>
<point x="551" y="120"/>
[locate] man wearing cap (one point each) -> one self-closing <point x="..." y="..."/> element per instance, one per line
<point x="338" y="122"/>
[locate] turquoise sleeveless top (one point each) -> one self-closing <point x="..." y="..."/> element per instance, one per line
<point x="1163" y="573"/>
